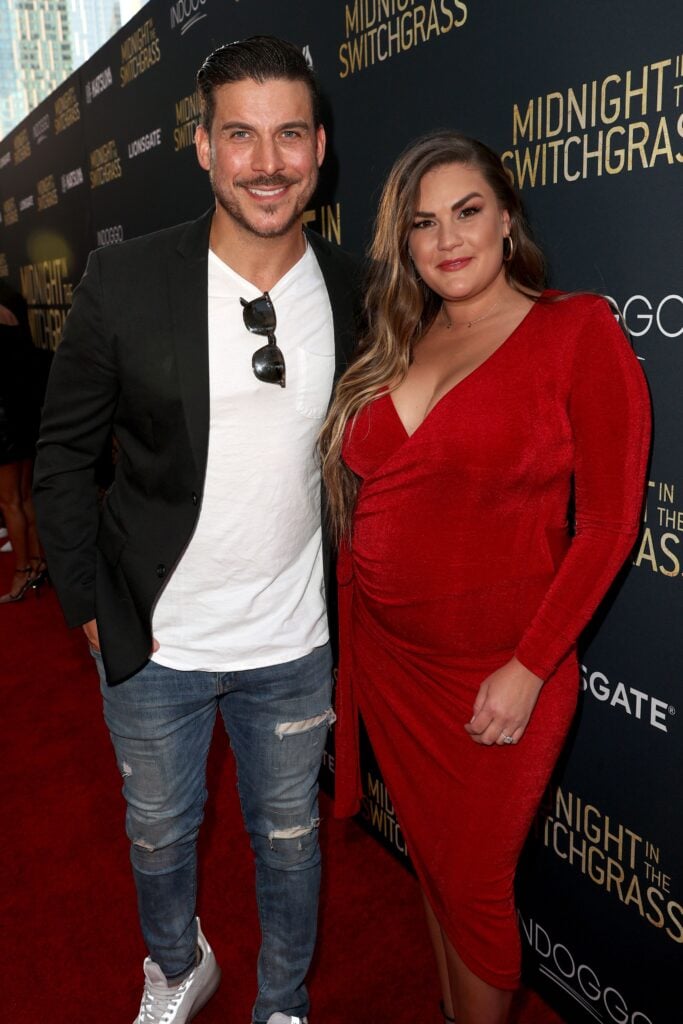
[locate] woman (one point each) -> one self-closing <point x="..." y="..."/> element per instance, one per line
<point x="479" y="409"/>
<point x="19" y="416"/>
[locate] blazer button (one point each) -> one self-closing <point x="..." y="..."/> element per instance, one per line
<point x="161" y="570"/>
<point x="195" y="499"/>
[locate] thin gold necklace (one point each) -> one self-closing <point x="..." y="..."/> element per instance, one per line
<point x="449" y="323"/>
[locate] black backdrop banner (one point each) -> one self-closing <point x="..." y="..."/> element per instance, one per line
<point x="585" y="102"/>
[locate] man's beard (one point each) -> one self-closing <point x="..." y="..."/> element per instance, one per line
<point x="234" y="210"/>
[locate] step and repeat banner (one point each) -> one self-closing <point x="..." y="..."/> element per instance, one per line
<point x="585" y="102"/>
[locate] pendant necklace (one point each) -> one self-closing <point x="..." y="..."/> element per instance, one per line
<point x="449" y="323"/>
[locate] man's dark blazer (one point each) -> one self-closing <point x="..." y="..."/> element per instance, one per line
<point x="134" y="357"/>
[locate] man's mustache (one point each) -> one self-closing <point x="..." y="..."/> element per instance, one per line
<point x="265" y="181"/>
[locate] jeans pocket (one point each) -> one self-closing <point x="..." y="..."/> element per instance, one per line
<point x="96" y="656"/>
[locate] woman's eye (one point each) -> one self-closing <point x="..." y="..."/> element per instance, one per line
<point x="422" y="223"/>
<point x="469" y="211"/>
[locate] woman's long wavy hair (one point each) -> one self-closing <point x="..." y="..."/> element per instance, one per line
<point x="399" y="306"/>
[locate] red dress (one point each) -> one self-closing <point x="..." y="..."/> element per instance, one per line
<point x="461" y="558"/>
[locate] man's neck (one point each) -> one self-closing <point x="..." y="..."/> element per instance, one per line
<point x="263" y="261"/>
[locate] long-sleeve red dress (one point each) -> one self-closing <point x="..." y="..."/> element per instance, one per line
<point x="461" y="557"/>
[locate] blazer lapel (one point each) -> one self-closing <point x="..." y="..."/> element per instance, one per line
<point x="188" y="290"/>
<point x="188" y="270"/>
<point x="341" y="292"/>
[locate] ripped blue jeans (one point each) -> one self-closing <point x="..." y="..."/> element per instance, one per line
<point x="161" y="721"/>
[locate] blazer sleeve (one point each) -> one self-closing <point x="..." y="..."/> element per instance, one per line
<point x="609" y="413"/>
<point x="79" y="407"/>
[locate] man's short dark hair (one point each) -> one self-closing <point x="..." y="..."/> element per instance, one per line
<point x="259" y="57"/>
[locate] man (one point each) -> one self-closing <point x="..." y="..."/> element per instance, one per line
<point x="200" y="587"/>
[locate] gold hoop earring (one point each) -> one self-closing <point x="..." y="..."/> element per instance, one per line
<point x="508" y="251"/>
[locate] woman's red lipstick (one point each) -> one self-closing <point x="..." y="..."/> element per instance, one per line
<point x="457" y="264"/>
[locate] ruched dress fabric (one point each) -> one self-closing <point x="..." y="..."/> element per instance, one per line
<point x="461" y="557"/>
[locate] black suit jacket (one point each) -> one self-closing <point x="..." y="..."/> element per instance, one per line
<point x="134" y="356"/>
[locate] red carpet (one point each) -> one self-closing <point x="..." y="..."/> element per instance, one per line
<point x="73" y="953"/>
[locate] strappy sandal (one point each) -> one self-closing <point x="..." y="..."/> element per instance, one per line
<point x="12" y="598"/>
<point x="41" y="576"/>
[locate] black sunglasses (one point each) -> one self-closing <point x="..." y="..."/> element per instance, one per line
<point x="268" y="362"/>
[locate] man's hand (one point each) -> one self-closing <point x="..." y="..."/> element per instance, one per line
<point x="504" y="705"/>
<point x="90" y="630"/>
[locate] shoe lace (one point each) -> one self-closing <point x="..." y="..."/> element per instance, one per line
<point x="159" y="1003"/>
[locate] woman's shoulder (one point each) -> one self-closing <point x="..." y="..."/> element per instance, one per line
<point x="574" y="329"/>
<point x="572" y="314"/>
<point x="593" y="338"/>
<point x="576" y="305"/>
<point x="573" y="301"/>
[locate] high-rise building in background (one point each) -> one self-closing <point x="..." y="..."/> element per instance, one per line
<point x="13" y="105"/>
<point x="92" y="23"/>
<point x="43" y="41"/>
<point x="40" y="47"/>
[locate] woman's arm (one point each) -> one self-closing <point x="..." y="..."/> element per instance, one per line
<point x="609" y="412"/>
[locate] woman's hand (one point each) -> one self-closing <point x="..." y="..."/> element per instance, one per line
<point x="504" y="705"/>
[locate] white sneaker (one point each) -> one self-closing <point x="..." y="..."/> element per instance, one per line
<point x="166" y="1004"/>
<point x="284" y="1018"/>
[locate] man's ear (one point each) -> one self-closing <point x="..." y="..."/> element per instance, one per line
<point x="202" y="143"/>
<point x="320" y="144"/>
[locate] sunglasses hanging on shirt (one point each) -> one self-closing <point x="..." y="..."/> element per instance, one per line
<point x="268" y="362"/>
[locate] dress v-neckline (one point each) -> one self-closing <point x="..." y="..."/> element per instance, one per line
<point x="458" y="384"/>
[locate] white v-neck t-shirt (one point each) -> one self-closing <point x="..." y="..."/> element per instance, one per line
<point x="248" y="590"/>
